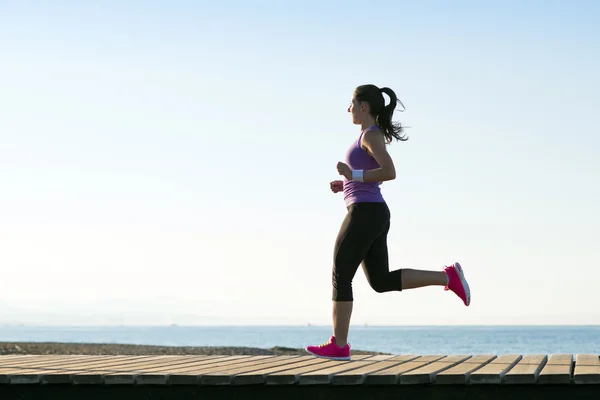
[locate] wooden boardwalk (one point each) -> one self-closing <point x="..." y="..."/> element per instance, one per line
<point x="422" y="376"/>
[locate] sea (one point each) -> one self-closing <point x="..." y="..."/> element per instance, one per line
<point x="420" y="340"/>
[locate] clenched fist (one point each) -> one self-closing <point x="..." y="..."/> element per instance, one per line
<point x="344" y="170"/>
<point x="337" y="186"/>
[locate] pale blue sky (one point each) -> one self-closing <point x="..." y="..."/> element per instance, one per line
<point x="167" y="158"/>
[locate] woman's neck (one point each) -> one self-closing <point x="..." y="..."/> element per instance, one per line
<point x="367" y="124"/>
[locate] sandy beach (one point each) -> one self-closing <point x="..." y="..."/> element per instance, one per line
<point x="131" y="349"/>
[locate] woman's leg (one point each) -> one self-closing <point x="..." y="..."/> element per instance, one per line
<point x="341" y="315"/>
<point x="352" y="243"/>
<point x="416" y="278"/>
<point x="381" y="279"/>
<point x="376" y="269"/>
<point x="359" y="228"/>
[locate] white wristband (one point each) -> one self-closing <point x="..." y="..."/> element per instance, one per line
<point x="357" y="175"/>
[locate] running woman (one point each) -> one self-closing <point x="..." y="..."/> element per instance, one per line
<point x="362" y="238"/>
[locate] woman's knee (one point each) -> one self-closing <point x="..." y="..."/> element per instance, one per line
<point x="392" y="281"/>
<point x="342" y="288"/>
<point x="380" y="286"/>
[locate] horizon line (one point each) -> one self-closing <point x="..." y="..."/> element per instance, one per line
<point x="176" y="325"/>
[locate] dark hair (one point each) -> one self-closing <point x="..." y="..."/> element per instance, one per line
<point x="383" y="114"/>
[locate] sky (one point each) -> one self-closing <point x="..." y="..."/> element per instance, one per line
<point x="169" y="162"/>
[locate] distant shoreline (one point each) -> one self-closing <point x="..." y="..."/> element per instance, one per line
<point x="37" y="348"/>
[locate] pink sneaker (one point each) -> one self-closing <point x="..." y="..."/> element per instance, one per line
<point x="330" y="350"/>
<point x="457" y="283"/>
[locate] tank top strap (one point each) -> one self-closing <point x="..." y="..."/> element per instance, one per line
<point x="363" y="132"/>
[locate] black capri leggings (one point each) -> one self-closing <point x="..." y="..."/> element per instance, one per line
<point x="363" y="239"/>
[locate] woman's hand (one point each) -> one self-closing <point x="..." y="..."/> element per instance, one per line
<point x="336" y="186"/>
<point x="344" y="170"/>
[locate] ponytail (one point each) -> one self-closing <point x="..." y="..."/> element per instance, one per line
<point x="390" y="129"/>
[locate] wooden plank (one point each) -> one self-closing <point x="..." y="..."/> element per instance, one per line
<point x="404" y="357"/>
<point x="381" y="357"/>
<point x="17" y="359"/>
<point x="459" y="374"/>
<point x="94" y="372"/>
<point x="40" y="361"/>
<point x="291" y="376"/>
<point x="19" y="375"/>
<point x="57" y="376"/>
<point x="527" y="370"/>
<point x="31" y="373"/>
<point x="100" y="363"/>
<point x="224" y="376"/>
<point x="127" y="375"/>
<point x="587" y="369"/>
<point x="426" y="373"/>
<point x="190" y="362"/>
<point x="16" y="356"/>
<point x="35" y="375"/>
<point x="324" y="375"/>
<point x="558" y="370"/>
<point x="159" y="375"/>
<point x="205" y="362"/>
<point x="494" y="372"/>
<point x="260" y="376"/>
<point x="125" y="363"/>
<point x="157" y="361"/>
<point x="357" y="376"/>
<point x="21" y="359"/>
<point x="191" y="375"/>
<point x="390" y="376"/>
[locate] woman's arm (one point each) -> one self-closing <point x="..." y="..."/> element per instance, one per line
<point x="373" y="142"/>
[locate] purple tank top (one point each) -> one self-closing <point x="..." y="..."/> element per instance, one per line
<point x="360" y="192"/>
